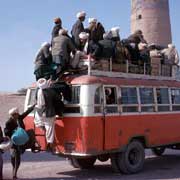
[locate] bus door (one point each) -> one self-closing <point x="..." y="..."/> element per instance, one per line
<point x="111" y="114"/>
<point x="29" y="120"/>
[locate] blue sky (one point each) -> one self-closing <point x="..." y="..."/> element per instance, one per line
<point x="24" y="25"/>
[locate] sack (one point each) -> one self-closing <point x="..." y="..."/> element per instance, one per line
<point x="6" y="145"/>
<point x="19" y="137"/>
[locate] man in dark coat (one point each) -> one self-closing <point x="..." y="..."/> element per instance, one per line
<point x="43" y="62"/>
<point x="48" y="105"/>
<point x="57" y="27"/>
<point x="62" y="46"/>
<point x="132" y="45"/>
<point x="137" y="37"/>
<point x="77" y="28"/>
<point x="107" y="46"/>
<point x="10" y="126"/>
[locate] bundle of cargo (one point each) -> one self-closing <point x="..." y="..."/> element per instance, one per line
<point x="117" y="67"/>
<point x="166" y="70"/>
<point x="102" y="65"/>
<point x="156" y="66"/>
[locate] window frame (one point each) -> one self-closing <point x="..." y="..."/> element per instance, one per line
<point x="106" y="106"/>
<point x="69" y="105"/>
<point x="128" y="105"/>
<point x="154" y="105"/>
<point x="162" y="105"/>
<point x="101" y="98"/>
<point x="173" y="105"/>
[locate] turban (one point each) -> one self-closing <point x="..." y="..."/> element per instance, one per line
<point x="45" y="44"/>
<point x="13" y="111"/>
<point x="83" y="35"/>
<point x="42" y="83"/>
<point x="92" y="20"/>
<point x="115" y="29"/>
<point x="171" y="46"/>
<point x="81" y="14"/>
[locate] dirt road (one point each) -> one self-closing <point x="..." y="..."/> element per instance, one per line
<point x="44" y="166"/>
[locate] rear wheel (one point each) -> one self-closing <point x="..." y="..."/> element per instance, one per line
<point x="83" y="163"/>
<point x="158" y="151"/>
<point x="114" y="162"/>
<point x="132" y="160"/>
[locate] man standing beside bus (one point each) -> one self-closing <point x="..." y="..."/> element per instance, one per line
<point x="14" y="121"/>
<point x="47" y="101"/>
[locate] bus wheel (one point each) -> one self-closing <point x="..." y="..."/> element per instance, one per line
<point x="114" y="162"/>
<point x="73" y="162"/>
<point x="103" y="158"/>
<point x="158" y="151"/>
<point x="132" y="160"/>
<point x="86" y="163"/>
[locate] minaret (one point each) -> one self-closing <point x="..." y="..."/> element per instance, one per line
<point x="152" y="17"/>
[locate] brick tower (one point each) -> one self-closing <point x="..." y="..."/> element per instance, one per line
<point x="152" y="17"/>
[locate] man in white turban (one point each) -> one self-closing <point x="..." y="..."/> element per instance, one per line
<point x="14" y="121"/>
<point x="47" y="99"/>
<point x="78" y="27"/>
<point x="171" y="55"/>
<point x="84" y="43"/>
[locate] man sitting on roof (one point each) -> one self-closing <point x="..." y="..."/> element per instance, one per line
<point x="95" y="30"/>
<point x="86" y="48"/>
<point x="62" y="46"/>
<point x="170" y="55"/>
<point x="78" y="27"/>
<point x="43" y="62"/>
<point x="107" y="46"/>
<point x="57" y="27"/>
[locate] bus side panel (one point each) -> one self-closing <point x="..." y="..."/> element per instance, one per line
<point x="80" y="135"/>
<point x="39" y="133"/>
<point x="158" y="129"/>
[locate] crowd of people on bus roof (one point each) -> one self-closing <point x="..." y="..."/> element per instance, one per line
<point x="64" y="51"/>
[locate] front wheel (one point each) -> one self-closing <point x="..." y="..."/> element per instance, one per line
<point x="132" y="159"/>
<point x="158" y="151"/>
<point x="83" y="163"/>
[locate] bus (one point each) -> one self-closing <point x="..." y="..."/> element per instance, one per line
<point x="115" y="116"/>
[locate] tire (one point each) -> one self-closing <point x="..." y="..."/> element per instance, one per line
<point x="82" y="163"/>
<point x="132" y="160"/>
<point x="158" y="151"/>
<point x="114" y="162"/>
<point x="73" y="162"/>
<point x="103" y="158"/>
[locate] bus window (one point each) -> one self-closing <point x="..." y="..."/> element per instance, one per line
<point x="111" y="99"/>
<point x="162" y="99"/>
<point x="73" y="106"/>
<point x="129" y="99"/>
<point x="97" y="100"/>
<point x="147" y="99"/>
<point x="175" y="98"/>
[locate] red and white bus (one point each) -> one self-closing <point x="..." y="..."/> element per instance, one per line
<point x="116" y="116"/>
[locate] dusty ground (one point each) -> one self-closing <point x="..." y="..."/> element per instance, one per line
<point x="44" y="166"/>
<point x="8" y="101"/>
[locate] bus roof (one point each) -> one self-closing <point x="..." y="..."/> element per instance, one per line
<point x="86" y="79"/>
<point x="122" y="79"/>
